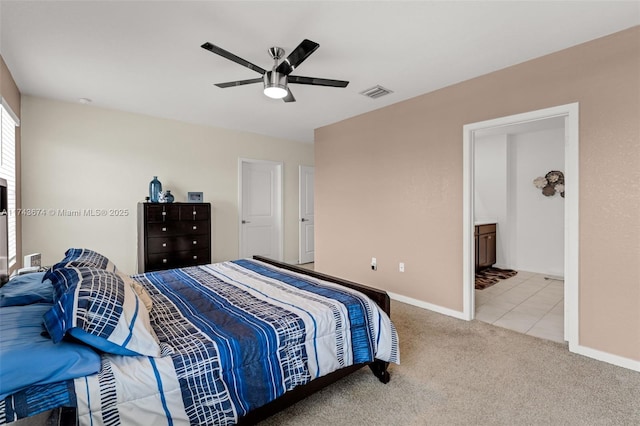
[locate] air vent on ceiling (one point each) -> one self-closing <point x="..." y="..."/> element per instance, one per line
<point x="376" y="92"/>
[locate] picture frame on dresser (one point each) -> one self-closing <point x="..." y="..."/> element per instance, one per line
<point x="195" y="197"/>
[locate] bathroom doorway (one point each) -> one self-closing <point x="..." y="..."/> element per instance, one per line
<point x="520" y="227"/>
<point x="568" y="114"/>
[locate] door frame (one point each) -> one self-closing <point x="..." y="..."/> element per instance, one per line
<point x="301" y="233"/>
<point x="571" y="211"/>
<point x="277" y="187"/>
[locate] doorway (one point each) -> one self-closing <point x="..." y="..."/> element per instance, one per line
<point x="306" y="228"/>
<point x="527" y="227"/>
<point x="260" y="208"/>
<point x="568" y="113"/>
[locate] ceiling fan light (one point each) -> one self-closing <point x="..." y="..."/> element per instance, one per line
<point x="275" y="92"/>
<point x="275" y="85"/>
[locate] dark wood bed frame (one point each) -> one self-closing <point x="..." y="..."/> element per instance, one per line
<point x="379" y="368"/>
<point x="67" y="416"/>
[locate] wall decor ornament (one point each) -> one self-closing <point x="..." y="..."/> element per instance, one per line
<point x="551" y="183"/>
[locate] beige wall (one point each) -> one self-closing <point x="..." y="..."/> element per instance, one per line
<point x="11" y="94"/>
<point x="83" y="157"/>
<point x="8" y="88"/>
<point x="389" y="184"/>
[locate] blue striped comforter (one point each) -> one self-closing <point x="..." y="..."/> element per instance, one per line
<point x="240" y="334"/>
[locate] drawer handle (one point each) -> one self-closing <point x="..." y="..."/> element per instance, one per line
<point x="164" y="260"/>
<point x="195" y="227"/>
<point x="195" y="212"/>
<point x="164" y="213"/>
<point x="164" y="244"/>
<point x="195" y="242"/>
<point x="195" y="257"/>
<point x="164" y="229"/>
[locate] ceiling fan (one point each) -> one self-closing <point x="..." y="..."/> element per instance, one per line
<point x="275" y="81"/>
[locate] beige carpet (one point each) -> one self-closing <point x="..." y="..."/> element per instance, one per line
<point x="455" y="372"/>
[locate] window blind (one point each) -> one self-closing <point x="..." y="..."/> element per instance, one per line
<point x="8" y="172"/>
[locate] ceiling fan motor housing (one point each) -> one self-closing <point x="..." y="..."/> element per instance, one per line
<point x="274" y="84"/>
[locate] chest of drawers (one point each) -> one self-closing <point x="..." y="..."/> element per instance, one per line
<point x="173" y="235"/>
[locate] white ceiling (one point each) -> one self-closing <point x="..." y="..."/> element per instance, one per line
<point x="145" y="56"/>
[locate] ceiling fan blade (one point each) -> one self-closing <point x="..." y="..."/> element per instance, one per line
<point x="295" y="58"/>
<point x="316" y="81"/>
<point x="239" y="83"/>
<point x="289" y="97"/>
<point x="230" y="56"/>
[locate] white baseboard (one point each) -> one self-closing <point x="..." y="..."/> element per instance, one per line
<point x="425" y="305"/>
<point x="605" y="357"/>
<point x="553" y="274"/>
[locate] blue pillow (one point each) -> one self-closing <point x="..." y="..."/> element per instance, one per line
<point x="26" y="289"/>
<point x="28" y="358"/>
<point x="101" y="310"/>
<point x="86" y="257"/>
<point x="62" y="279"/>
<point x="79" y="257"/>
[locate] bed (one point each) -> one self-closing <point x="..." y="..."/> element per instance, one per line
<point x="226" y="343"/>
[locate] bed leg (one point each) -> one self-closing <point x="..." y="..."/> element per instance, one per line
<point x="379" y="369"/>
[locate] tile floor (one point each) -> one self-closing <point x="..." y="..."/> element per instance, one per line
<point x="527" y="303"/>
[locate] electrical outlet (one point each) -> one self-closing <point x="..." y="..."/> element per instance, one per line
<point x="374" y="264"/>
<point x="401" y="267"/>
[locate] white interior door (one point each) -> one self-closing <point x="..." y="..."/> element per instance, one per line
<point x="306" y="229"/>
<point x="260" y="209"/>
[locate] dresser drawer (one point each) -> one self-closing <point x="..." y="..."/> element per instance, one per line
<point x="199" y="227"/>
<point x="168" y="229"/>
<point x="156" y="262"/>
<point x="177" y="259"/>
<point x="194" y="242"/>
<point x="197" y="257"/>
<point x="195" y="212"/>
<point x="162" y="213"/>
<point x="160" y="244"/>
<point x="181" y="243"/>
